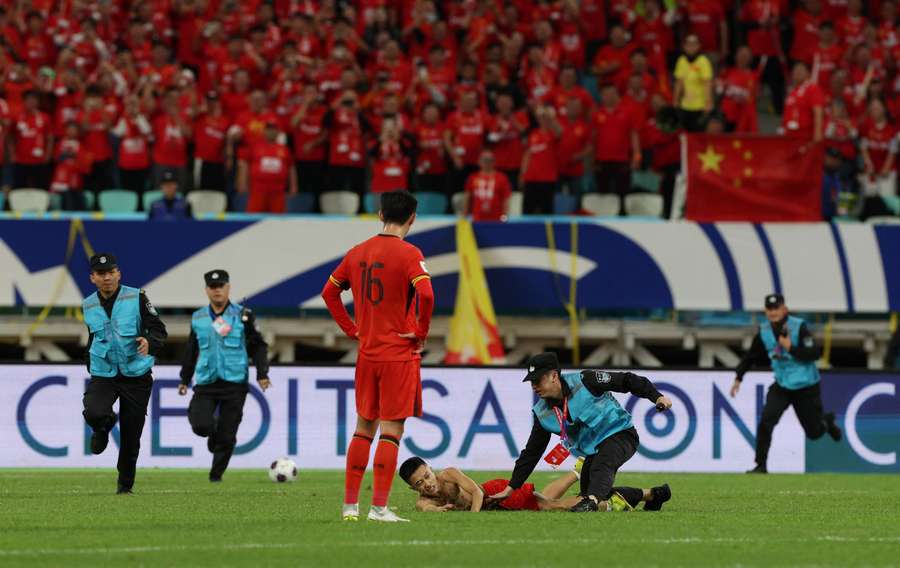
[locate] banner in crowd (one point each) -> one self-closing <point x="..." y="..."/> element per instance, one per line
<point x="284" y="262"/>
<point x="752" y="178"/>
<point x="475" y="418"/>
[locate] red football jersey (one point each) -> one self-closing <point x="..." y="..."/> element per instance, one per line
<point x="488" y="194"/>
<point x="381" y="273"/>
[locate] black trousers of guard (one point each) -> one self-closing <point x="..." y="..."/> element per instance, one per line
<point x="228" y="398"/>
<point x="599" y="470"/>
<point x="133" y="394"/>
<point x="807" y="403"/>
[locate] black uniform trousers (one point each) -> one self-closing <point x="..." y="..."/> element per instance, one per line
<point x="599" y="470"/>
<point x="228" y="398"/>
<point x="133" y="394"/>
<point x="807" y="403"/>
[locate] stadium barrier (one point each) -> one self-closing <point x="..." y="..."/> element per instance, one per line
<point x="618" y="264"/>
<point x="475" y="418"/>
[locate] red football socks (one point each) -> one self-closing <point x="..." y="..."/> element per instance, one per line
<point x="385" y="465"/>
<point x="357" y="461"/>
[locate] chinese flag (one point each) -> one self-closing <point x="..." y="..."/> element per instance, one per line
<point x="752" y="178"/>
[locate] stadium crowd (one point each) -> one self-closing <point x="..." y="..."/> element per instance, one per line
<point x="264" y="100"/>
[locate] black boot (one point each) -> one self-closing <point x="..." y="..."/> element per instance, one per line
<point x="758" y="469"/>
<point x="586" y="505"/>
<point x="122" y="490"/>
<point x="660" y="494"/>
<point x="833" y="429"/>
<point x="99" y="441"/>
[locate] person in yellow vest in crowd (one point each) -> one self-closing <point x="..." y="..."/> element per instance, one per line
<point x="223" y="339"/>
<point x="125" y="334"/>
<point x="693" y="95"/>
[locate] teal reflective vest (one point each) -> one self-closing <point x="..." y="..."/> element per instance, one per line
<point x="220" y="357"/>
<point x="789" y="372"/>
<point x="593" y="418"/>
<point x="114" y="345"/>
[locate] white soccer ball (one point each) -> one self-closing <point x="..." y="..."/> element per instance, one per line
<point x="283" y="470"/>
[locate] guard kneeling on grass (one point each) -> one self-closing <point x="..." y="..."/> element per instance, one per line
<point x="125" y="334"/>
<point x="580" y="408"/>
<point x="223" y="338"/>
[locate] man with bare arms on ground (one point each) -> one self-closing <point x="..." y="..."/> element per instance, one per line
<point x="452" y="490"/>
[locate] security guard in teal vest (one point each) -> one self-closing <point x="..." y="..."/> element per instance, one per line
<point x="125" y="334"/>
<point x="787" y="343"/>
<point x="223" y="339"/>
<point x="581" y="410"/>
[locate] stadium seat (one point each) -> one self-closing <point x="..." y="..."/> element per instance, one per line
<point x="883" y="220"/>
<point x="458" y="202"/>
<point x="90" y="200"/>
<point x="55" y="202"/>
<point x="564" y="204"/>
<point x="29" y="200"/>
<point x="207" y="202"/>
<point x="516" y="199"/>
<point x="602" y="205"/>
<point x="150" y="197"/>
<point x="118" y="201"/>
<point x="339" y="203"/>
<point x="372" y="202"/>
<point x="299" y="203"/>
<point x="431" y="203"/>
<point x="2" y="200"/>
<point x="643" y="205"/>
<point x="239" y="202"/>
<point x="646" y="180"/>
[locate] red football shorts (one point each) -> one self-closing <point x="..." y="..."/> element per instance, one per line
<point x="266" y="202"/>
<point x="388" y="390"/>
<point x="522" y="499"/>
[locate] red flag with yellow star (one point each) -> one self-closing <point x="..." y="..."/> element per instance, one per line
<point x="752" y="178"/>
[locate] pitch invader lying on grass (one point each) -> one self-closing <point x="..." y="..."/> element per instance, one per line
<point x="580" y="409"/>
<point x="453" y="490"/>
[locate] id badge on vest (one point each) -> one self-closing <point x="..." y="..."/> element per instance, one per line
<point x="559" y="453"/>
<point x="221" y="326"/>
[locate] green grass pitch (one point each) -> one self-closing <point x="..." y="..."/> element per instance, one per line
<point x="177" y="518"/>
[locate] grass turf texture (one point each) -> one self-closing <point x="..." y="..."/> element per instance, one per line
<point x="176" y="517"/>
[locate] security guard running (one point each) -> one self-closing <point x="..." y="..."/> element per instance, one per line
<point x="223" y="337"/>
<point x="791" y="348"/>
<point x="125" y="334"/>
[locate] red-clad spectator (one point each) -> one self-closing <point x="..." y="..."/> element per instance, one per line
<point x="431" y="156"/>
<point x="538" y="79"/>
<point x="171" y="134"/>
<point x="95" y="123"/>
<point x="616" y="144"/>
<point x="464" y="138"/>
<point x="761" y="19"/>
<point x="878" y="55"/>
<point x="10" y="31"/>
<point x="396" y="66"/>
<point x="738" y="88"/>
<point x="73" y="161"/>
<point x="863" y="70"/>
<point x="160" y="72"/>
<point x="706" y="19"/>
<point x="568" y="88"/>
<point x="839" y="89"/>
<point x="664" y="144"/>
<point x="850" y="27"/>
<point x="89" y="48"/>
<point x="210" y="143"/>
<point x="551" y="51"/>
<point x="32" y="139"/>
<point x="347" y="128"/>
<point x="887" y="25"/>
<point x="574" y="146"/>
<point x="636" y="100"/>
<point x="840" y="132"/>
<point x="571" y="35"/>
<point x="487" y="191"/>
<point x="249" y="125"/>
<point x="18" y="81"/>
<point x="135" y="134"/>
<point x="69" y="94"/>
<point x="877" y="142"/>
<point x="188" y="22"/>
<point x="342" y="33"/>
<point x="434" y="81"/>
<point x="506" y="131"/>
<point x="834" y="10"/>
<point x="611" y="62"/>
<point x="309" y="136"/>
<point x="806" y="22"/>
<point x="236" y="100"/>
<point x="496" y="83"/>
<point x="239" y="55"/>
<point x="804" y="108"/>
<point x="390" y="159"/>
<point x="655" y="78"/>
<point x="539" y="173"/>
<point x="593" y="14"/>
<point x="268" y="173"/>
<point x="138" y="42"/>
<point x="390" y="109"/>
<point x="827" y="56"/>
<point x="37" y="45"/>
<point x="655" y="28"/>
<point x="624" y="11"/>
<point x="302" y="32"/>
<point x="265" y="41"/>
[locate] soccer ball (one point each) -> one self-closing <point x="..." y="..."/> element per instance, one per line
<point x="283" y="470"/>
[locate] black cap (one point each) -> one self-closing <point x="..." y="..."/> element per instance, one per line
<point x="540" y="364"/>
<point x="774" y="301"/>
<point x="168" y="175"/>
<point x="216" y="277"/>
<point x="103" y="262"/>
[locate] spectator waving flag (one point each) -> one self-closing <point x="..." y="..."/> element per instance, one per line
<point x="752" y="178"/>
<point x="474" y="336"/>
